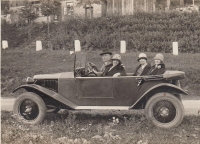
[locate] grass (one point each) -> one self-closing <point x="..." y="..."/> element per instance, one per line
<point x="18" y="64"/>
<point x="96" y="127"/>
<point x="92" y="127"/>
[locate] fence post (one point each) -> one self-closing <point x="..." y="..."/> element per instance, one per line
<point x="38" y="45"/>
<point x="175" y="48"/>
<point x="122" y="47"/>
<point x="77" y="46"/>
<point x="4" y="44"/>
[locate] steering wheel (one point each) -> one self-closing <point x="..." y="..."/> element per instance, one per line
<point x="92" y="67"/>
<point x="80" y="72"/>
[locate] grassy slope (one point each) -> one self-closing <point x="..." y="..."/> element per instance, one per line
<point x="132" y="128"/>
<point x="18" y="64"/>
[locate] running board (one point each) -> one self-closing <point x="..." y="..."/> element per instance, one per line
<point x="103" y="107"/>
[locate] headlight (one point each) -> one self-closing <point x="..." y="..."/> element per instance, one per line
<point x="29" y="80"/>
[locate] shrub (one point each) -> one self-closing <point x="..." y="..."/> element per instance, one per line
<point x="153" y="32"/>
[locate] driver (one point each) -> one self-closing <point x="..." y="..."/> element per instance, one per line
<point x="106" y="58"/>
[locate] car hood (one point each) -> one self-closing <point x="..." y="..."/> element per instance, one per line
<point x="55" y="75"/>
<point x="47" y="76"/>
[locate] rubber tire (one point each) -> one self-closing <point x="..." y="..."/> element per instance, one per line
<point x="171" y="98"/>
<point x="38" y="100"/>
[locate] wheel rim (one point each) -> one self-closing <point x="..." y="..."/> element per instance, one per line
<point x="164" y="111"/>
<point x="28" y="109"/>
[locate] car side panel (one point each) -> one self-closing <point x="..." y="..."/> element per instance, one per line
<point x="147" y="85"/>
<point x="125" y="90"/>
<point x="94" y="88"/>
<point x="100" y="91"/>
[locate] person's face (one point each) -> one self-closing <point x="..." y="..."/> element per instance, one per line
<point x="142" y="61"/>
<point x="115" y="62"/>
<point x="157" y="61"/>
<point x="106" y="57"/>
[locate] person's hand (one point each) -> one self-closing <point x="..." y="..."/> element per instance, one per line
<point x="117" y="75"/>
<point x="92" y="64"/>
<point x="159" y="66"/>
<point x="94" y="71"/>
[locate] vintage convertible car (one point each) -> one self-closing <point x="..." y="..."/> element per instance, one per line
<point x="159" y="95"/>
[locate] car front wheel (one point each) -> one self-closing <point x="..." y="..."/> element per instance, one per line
<point x="164" y="110"/>
<point x="29" y="108"/>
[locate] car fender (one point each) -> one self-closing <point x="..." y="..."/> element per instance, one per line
<point x="174" y="89"/>
<point x="50" y="93"/>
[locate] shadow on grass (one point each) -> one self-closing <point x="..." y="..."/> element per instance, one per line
<point x="93" y="116"/>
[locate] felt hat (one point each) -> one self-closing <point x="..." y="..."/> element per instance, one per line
<point x="106" y="51"/>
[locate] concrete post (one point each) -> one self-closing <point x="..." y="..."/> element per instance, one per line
<point x="175" y="48"/>
<point x="77" y="46"/>
<point x="38" y="45"/>
<point x="4" y="44"/>
<point x="123" y="47"/>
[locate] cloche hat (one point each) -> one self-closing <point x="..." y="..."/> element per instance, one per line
<point x="142" y="56"/>
<point x="159" y="56"/>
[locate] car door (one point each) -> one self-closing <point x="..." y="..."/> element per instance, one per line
<point x="106" y="91"/>
<point x="125" y="90"/>
<point x="94" y="87"/>
<point x="94" y="91"/>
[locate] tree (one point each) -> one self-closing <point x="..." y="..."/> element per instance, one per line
<point x="29" y="12"/>
<point x="5" y="7"/>
<point x="48" y="8"/>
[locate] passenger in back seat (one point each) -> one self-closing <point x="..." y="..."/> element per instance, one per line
<point x="159" y="67"/>
<point x="144" y="67"/>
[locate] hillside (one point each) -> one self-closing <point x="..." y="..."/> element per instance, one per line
<point x="152" y="32"/>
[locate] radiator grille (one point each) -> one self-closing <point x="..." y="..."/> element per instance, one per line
<point x="49" y="84"/>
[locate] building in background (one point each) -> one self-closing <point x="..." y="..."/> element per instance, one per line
<point x="69" y="8"/>
<point x="124" y="7"/>
<point x="66" y="8"/>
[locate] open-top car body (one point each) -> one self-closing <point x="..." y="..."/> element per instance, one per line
<point x="159" y="95"/>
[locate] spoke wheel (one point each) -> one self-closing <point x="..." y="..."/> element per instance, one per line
<point x="164" y="110"/>
<point x="29" y="108"/>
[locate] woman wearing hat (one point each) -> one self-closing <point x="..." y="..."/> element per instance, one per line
<point x="159" y="67"/>
<point x="116" y="69"/>
<point x="144" y="67"/>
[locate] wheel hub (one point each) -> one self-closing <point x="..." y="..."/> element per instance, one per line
<point x="29" y="110"/>
<point x="164" y="111"/>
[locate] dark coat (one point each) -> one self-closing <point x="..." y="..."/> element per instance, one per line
<point x="117" y="69"/>
<point x="145" y="70"/>
<point x="157" y="70"/>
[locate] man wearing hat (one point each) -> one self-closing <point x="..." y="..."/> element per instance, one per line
<point x="106" y="57"/>
<point x="144" y="67"/>
<point x="159" y="67"/>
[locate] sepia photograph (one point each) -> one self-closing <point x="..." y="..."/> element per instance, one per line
<point x="100" y="72"/>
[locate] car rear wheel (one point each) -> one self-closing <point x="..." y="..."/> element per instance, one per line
<point x="164" y="110"/>
<point x="29" y="108"/>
